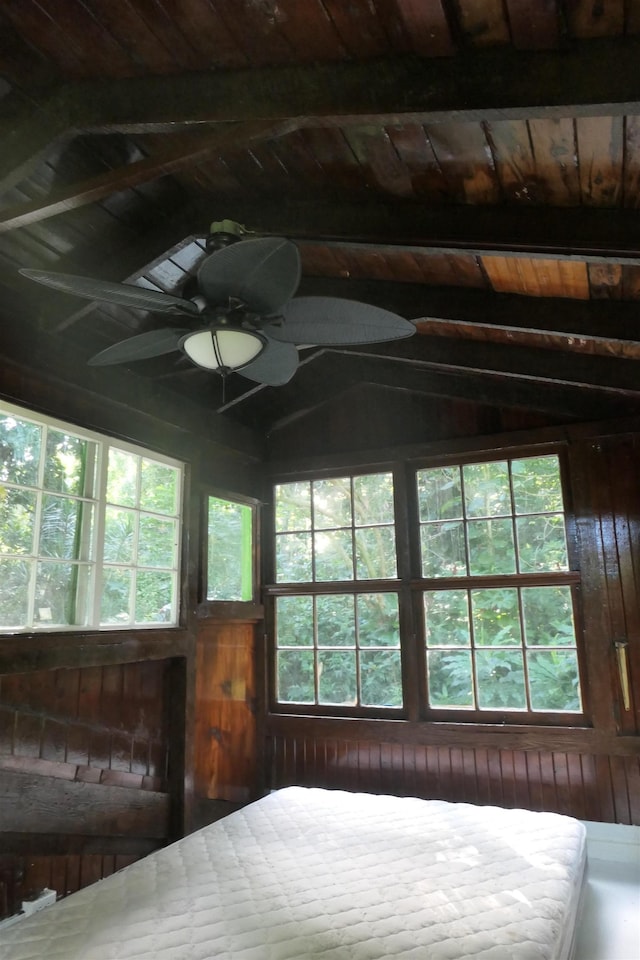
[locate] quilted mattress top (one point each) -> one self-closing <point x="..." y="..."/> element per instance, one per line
<point x="332" y="875"/>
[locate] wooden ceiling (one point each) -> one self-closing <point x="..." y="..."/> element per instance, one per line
<point x="473" y="165"/>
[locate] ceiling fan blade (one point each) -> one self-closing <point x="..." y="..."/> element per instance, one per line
<point x="275" y="366"/>
<point x="125" y="294"/>
<point x="153" y="343"/>
<point x="264" y="273"/>
<point x="330" y="321"/>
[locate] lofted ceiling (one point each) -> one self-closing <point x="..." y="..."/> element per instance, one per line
<point x="473" y="165"/>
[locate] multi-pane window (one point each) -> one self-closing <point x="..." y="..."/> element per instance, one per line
<point x="337" y="647"/>
<point x="481" y="621"/>
<point x="89" y="529"/>
<point x="341" y="649"/>
<point x="500" y="635"/>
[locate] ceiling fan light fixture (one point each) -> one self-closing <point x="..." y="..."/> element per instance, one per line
<point x="223" y="348"/>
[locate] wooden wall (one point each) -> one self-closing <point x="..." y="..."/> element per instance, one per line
<point x="227" y="708"/>
<point x="83" y="769"/>
<point x="592" y="772"/>
<point x="96" y="728"/>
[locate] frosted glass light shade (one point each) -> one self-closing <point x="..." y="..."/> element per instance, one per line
<point x="223" y="348"/>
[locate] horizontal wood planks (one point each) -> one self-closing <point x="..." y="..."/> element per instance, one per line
<point x="83" y="773"/>
<point x="109" y="719"/>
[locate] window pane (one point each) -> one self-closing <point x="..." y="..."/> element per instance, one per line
<point x="17" y="516"/>
<point x="56" y="591"/>
<point x="61" y="527"/>
<point x="450" y="679"/>
<point x="491" y="547"/>
<point x="115" y="603"/>
<point x="157" y="542"/>
<point x="373" y="499"/>
<point x="293" y="506"/>
<point x="122" y="478"/>
<point x="536" y="484"/>
<point x="378" y="621"/>
<point x="154" y="597"/>
<point x="119" y="535"/>
<point x="334" y="555"/>
<point x="14" y="592"/>
<point x="447" y="618"/>
<point x="440" y="494"/>
<point x="337" y="677"/>
<point x="229" y="550"/>
<point x="542" y="543"/>
<point x="443" y="551"/>
<point x="19" y="451"/>
<point x="293" y="557"/>
<point x="295" y="676"/>
<point x="486" y="489"/>
<point x="331" y="503"/>
<point x="500" y="679"/>
<point x="496" y="617"/>
<point x="294" y="621"/>
<point x="375" y="553"/>
<point x="548" y="616"/>
<point x="553" y="680"/>
<point x="159" y="487"/>
<point x="64" y="468"/>
<point x="336" y="623"/>
<point x="380" y="678"/>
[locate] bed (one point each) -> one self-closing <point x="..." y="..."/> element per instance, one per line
<point x="306" y="872"/>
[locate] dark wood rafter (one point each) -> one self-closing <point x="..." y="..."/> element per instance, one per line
<point x="493" y="83"/>
<point x="600" y="374"/>
<point x="582" y="234"/>
<point x="611" y="321"/>
<point x="169" y="161"/>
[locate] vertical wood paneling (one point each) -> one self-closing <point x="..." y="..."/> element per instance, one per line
<point x="226" y="745"/>
<point x="581" y="785"/>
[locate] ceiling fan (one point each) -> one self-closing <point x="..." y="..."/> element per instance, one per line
<point x="241" y="313"/>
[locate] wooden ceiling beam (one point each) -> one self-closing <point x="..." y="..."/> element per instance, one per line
<point x="172" y="160"/>
<point x="594" y="373"/>
<point x="598" y="78"/>
<point x="554" y="400"/>
<point x="585" y="234"/>
<point x="603" y="321"/>
<point x="333" y="372"/>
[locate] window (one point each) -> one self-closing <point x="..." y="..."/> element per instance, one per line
<point x="230" y="553"/>
<point x="89" y="529"/>
<point x="337" y="646"/>
<point x="500" y="635"/>
<point x="483" y="614"/>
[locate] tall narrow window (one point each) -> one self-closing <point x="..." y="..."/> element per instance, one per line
<point x="499" y="626"/>
<point x="337" y="620"/>
<point x="230" y="550"/>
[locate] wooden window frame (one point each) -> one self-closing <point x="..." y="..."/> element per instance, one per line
<point x="411" y="587"/>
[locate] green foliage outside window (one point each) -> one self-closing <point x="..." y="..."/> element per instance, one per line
<point x="493" y="570"/>
<point x="337" y="649"/>
<point x="229" y="550"/>
<point x="79" y="545"/>
<point x="508" y="647"/>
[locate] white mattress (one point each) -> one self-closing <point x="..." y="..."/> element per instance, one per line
<point x="333" y="875"/>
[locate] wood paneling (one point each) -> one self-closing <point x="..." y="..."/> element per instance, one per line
<point x="83" y="772"/>
<point x="108" y="718"/>
<point x="591" y="772"/>
<point x="581" y="785"/>
<point x="226" y="749"/>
